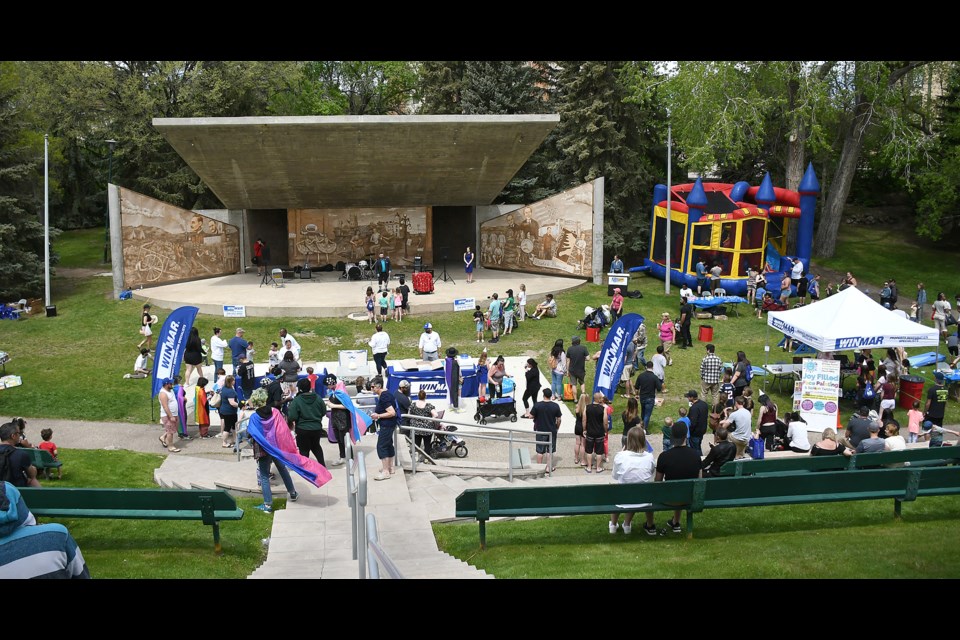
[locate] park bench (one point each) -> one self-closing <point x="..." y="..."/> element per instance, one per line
<point x="43" y="461"/>
<point x="934" y="456"/>
<point x="208" y="506"/>
<point x="694" y="496"/>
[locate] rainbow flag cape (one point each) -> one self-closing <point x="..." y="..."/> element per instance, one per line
<point x="181" y="397"/>
<point x="359" y="421"/>
<point x="275" y="437"/>
<point x="201" y="409"/>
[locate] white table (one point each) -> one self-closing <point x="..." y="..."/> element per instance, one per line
<point x="782" y="372"/>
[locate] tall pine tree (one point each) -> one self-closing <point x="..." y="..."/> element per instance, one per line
<point x="602" y="134"/>
<point x="21" y="231"/>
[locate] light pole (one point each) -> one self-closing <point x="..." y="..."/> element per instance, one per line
<point x="666" y="279"/>
<point x="106" y="220"/>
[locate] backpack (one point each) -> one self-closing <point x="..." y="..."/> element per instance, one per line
<point x="749" y="374"/>
<point x="369" y="305"/>
<point x="868" y="393"/>
<point x="6" y="470"/>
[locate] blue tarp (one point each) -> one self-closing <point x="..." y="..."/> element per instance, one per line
<point x="706" y="303"/>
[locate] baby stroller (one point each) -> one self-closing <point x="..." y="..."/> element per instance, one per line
<point x="500" y="407"/>
<point x="448" y="442"/>
<point x="595" y="318"/>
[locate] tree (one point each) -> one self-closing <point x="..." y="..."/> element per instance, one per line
<point x="21" y="180"/>
<point x="439" y="87"/>
<point x="347" y="87"/>
<point x="602" y="133"/>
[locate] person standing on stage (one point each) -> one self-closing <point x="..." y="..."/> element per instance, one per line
<point x="468" y="259"/>
<point x="382" y="269"/>
<point x="258" y="255"/>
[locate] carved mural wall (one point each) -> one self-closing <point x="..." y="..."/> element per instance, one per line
<point x="328" y="236"/>
<point x="553" y="236"/>
<point x="163" y="243"/>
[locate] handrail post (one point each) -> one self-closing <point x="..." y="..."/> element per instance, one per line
<point x="361" y="522"/>
<point x="510" y="458"/>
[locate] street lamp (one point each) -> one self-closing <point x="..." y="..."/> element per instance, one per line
<point x="106" y="220"/>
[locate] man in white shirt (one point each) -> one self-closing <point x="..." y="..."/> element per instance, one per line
<point x="738" y="425"/>
<point x="659" y="363"/>
<point x="217" y="345"/>
<point x="140" y="367"/>
<point x="429" y="344"/>
<point x="796" y="271"/>
<point x="686" y="292"/>
<point x="379" y="344"/>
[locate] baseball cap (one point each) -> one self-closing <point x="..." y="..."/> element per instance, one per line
<point x="428" y="326"/>
<point x="690" y="394"/>
<point x="166" y="381"/>
<point x="239" y="330"/>
<point x="404" y="383"/>
<point x="927" y="425"/>
<point x="616" y="290"/>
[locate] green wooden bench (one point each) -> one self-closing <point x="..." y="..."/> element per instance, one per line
<point x="693" y="496"/>
<point x="43" y="461"/>
<point x="208" y="506"/>
<point x="935" y="456"/>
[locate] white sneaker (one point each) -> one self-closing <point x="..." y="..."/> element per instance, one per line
<point x="627" y="528"/>
<point x="339" y="462"/>
<point x="613" y="527"/>
<point x="382" y="476"/>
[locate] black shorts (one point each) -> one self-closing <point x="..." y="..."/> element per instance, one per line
<point x="383" y="312"/>
<point x="593" y="445"/>
<point x="575" y="379"/>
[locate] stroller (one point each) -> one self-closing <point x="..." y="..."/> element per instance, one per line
<point x="448" y="442"/>
<point x="505" y="407"/>
<point x="595" y="318"/>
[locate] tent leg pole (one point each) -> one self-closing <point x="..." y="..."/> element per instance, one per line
<point x="766" y="358"/>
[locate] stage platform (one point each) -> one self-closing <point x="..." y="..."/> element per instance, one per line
<point x="327" y="295"/>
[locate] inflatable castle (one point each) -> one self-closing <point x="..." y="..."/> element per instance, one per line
<point x="737" y="226"/>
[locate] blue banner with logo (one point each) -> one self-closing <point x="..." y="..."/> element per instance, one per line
<point x="171" y="342"/>
<point x="610" y="364"/>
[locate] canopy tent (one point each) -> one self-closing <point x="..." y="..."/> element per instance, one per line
<point x="851" y="320"/>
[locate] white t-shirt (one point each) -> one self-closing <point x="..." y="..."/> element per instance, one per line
<point x="217" y="345"/>
<point x="740" y="421"/>
<point x="894" y="443"/>
<point x="631" y="467"/>
<point x="797" y="270"/>
<point x="797" y="432"/>
<point x="379" y="342"/>
<point x="141" y="362"/>
<point x="293" y="343"/>
<point x="522" y="298"/>
<point x="659" y="363"/>
<point x="686" y="292"/>
<point x="429" y="342"/>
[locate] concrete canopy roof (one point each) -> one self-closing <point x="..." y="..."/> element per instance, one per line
<point x="356" y="161"/>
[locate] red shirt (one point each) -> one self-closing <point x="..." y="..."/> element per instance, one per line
<point x="49" y="447"/>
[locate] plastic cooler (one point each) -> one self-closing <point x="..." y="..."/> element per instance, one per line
<point x="706" y="333"/>
<point x="911" y="389"/>
<point x="593" y="334"/>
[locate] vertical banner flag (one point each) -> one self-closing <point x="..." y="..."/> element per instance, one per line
<point x="610" y="364"/>
<point x="171" y="342"/>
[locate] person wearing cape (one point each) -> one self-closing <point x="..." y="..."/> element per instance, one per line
<point x="270" y="433"/>
<point x="452" y="375"/>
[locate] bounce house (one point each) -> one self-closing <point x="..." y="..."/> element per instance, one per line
<point x="737" y="226"/>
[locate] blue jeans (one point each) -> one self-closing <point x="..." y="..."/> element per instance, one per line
<point x="385" y="448"/>
<point x="556" y="384"/>
<point x="217" y="365"/>
<point x="695" y="443"/>
<point x="646" y="410"/>
<point x="263" y="465"/>
<point x="641" y="359"/>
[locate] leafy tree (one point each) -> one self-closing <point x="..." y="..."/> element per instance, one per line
<point x="21" y="195"/>
<point x="602" y="133"/>
<point x="347" y="88"/>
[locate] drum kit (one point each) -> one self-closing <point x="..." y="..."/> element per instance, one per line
<point x="360" y="270"/>
<point x="352" y="271"/>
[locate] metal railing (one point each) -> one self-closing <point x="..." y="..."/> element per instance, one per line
<point x="508" y="439"/>
<point x="363" y="526"/>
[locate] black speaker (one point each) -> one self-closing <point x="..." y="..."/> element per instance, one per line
<point x="51" y="311"/>
<point x="417" y="264"/>
<point x="306" y="274"/>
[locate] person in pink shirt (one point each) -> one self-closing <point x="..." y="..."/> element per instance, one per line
<point x="616" y="305"/>
<point x="914" y="418"/>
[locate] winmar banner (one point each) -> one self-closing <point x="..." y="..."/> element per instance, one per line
<point x="610" y="364"/>
<point x="171" y="342"/>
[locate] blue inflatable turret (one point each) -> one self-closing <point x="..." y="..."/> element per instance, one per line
<point x="809" y="190"/>
<point x="696" y="202"/>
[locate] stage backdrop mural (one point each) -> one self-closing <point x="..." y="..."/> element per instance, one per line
<point x="553" y="236"/>
<point x="328" y="236"/>
<point x="164" y="244"/>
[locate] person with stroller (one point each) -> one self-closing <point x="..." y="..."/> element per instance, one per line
<point x="495" y="378"/>
<point x="420" y="407"/>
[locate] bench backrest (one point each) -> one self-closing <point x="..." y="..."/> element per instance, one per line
<point x="839" y="462"/>
<point x="40" y="458"/>
<point x="571" y="500"/>
<point x="128" y="499"/>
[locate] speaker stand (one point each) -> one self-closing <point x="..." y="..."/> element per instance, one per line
<point x="445" y="277"/>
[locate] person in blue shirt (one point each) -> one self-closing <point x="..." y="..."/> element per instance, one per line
<point x="617" y="265"/>
<point x="701" y="276"/>
<point x="238" y="347"/>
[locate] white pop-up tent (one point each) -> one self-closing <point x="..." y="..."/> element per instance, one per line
<point x="851" y="320"/>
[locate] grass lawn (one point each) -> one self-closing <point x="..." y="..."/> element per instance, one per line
<point x="156" y="548"/>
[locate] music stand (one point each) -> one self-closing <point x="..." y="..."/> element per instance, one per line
<point x="267" y="279"/>
<point x="445" y="277"/>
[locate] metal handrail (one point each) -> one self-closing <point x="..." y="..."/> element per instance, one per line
<point x="378" y="555"/>
<point x="509" y="439"/>
<point x="363" y="526"/>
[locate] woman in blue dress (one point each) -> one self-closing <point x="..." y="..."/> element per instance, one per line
<point x="468" y="264"/>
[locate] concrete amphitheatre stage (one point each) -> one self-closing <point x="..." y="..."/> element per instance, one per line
<point x="327" y="295"/>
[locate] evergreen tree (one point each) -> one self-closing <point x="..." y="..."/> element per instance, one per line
<point x="601" y="133"/>
<point x="21" y="193"/>
<point x="440" y="87"/>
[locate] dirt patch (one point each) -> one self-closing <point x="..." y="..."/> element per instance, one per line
<point x="81" y="273"/>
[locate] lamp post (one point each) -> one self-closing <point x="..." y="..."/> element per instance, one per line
<point x="666" y="279"/>
<point x="106" y="220"/>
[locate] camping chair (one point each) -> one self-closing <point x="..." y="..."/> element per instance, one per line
<point x="720" y="292"/>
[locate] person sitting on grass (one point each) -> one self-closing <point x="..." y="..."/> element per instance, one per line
<point x="633" y="465"/>
<point x="140" y="367"/>
<point x="546" y="308"/>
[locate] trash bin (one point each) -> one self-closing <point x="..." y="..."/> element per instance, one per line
<point x="51" y="311"/>
<point x="593" y="334"/>
<point x="911" y="390"/>
<point x="706" y="333"/>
